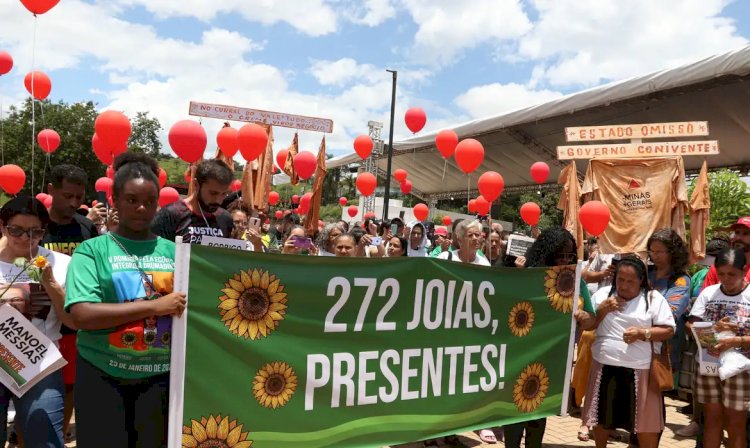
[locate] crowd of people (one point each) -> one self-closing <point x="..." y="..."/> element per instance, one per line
<point x="106" y="298"/>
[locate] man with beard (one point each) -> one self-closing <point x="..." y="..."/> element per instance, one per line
<point x="200" y="213"/>
<point x="740" y="240"/>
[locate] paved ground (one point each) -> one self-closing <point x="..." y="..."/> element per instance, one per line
<point x="563" y="432"/>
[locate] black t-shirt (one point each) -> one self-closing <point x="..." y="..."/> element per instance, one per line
<point x="65" y="238"/>
<point x="176" y="219"/>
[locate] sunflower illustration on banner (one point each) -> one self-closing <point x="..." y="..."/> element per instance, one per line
<point x="253" y="304"/>
<point x="214" y="432"/>
<point x="560" y="285"/>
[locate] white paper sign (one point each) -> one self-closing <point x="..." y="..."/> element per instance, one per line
<point x="26" y="354"/>
<point x="235" y="113"/>
<point x="518" y="245"/>
<point x="224" y="243"/>
<point x="708" y="357"/>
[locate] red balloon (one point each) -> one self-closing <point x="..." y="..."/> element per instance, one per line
<point x="273" y="198"/>
<point x="342" y="201"/>
<point x="369" y="215"/>
<point x="6" y="62"/>
<point x="304" y="201"/>
<point x="279" y="214"/>
<point x="281" y="158"/>
<point x="295" y="199"/>
<point x="400" y="175"/>
<point x="48" y="140"/>
<point x="447" y="220"/>
<point x="39" y="6"/>
<point x="287" y="212"/>
<point x="482" y="206"/>
<point x="40" y="86"/>
<point x="252" y="140"/>
<point x="12" y="178"/>
<point x="226" y="140"/>
<point x="415" y="119"/>
<point x="188" y="140"/>
<point x="41" y="197"/>
<point x="236" y="185"/>
<point x="366" y="183"/>
<point x="187" y="177"/>
<point x="469" y="155"/>
<point x="539" y="172"/>
<point x="111" y="172"/>
<point x="446" y="142"/>
<point x="113" y="129"/>
<point x="421" y="212"/>
<point x="104" y="184"/>
<point x="47" y="202"/>
<point x="594" y="217"/>
<point x="472" y="205"/>
<point x="352" y="210"/>
<point x="162" y="178"/>
<point x="103" y="154"/>
<point x="530" y="213"/>
<point x="305" y="164"/>
<point x="168" y="195"/>
<point x="406" y="186"/>
<point x="491" y="185"/>
<point x="363" y="146"/>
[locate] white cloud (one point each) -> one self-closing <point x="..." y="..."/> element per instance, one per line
<point x="311" y="17"/>
<point x="448" y="27"/>
<point x="371" y="12"/>
<point x="586" y="42"/>
<point x="494" y="99"/>
<point x="345" y="71"/>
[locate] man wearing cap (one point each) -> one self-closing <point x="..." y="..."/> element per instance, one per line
<point x="442" y="241"/>
<point x="740" y="240"/>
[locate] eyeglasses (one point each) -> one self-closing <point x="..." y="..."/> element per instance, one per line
<point x="17" y="232"/>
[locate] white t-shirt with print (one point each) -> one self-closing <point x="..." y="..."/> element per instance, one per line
<point x="478" y="259"/>
<point x="609" y="347"/>
<point x="713" y="304"/>
<point x="50" y="326"/>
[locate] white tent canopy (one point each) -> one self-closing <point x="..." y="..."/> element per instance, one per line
<point x="714" y="90"/>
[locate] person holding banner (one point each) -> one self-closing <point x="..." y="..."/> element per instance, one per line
<point x="120" y="294"/>
<point x="24" y="221"/>
<point x="727" y="305"/>
<point x="630" y="317"/>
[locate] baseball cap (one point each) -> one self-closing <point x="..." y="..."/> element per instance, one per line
<point x="442" y="231"/>
<point x="744" y="221"/>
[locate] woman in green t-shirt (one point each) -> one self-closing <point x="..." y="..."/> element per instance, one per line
<point x="120" y="297"/>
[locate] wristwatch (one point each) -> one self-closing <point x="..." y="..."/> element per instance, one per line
<point x="647" y="334"/>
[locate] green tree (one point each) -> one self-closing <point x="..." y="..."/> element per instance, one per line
<point x="730" y="198"/>
<point x="145" y="135"/>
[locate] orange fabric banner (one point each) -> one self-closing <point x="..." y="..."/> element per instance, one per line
<point x="570" y="203"/>
<point x="643" y="195"/>
<point x="263" y="174"/>
<point x="700" y="205"/>
<point x="313" y="215"/>
<point x="289" y="165"/>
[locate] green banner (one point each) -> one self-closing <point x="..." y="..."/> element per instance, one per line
<point x="294" y="351"/>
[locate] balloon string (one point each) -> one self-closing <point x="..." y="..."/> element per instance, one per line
<point x="33" y="109"/>
<point x="444" y="167"/>
<point x="2" y="133"/>
<point x="468" y="189"/>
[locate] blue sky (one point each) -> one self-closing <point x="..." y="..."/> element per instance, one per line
<point x="457" y="60"/>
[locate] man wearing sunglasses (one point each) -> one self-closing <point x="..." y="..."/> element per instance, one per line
<point x="200" y="213"/>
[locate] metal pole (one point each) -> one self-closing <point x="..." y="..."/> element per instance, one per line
<point x="387" y="196"/>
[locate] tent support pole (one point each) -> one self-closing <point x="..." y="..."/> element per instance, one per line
<point x="387" y="196"/>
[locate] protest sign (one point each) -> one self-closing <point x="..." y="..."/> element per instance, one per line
<point x="708" y="356"/>
<point x="26" y="354"/>
<point x="295" y="351"/>
<point x="518" y="245"/>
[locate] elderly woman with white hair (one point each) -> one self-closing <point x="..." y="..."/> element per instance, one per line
<point x="326" y="238"/>
<point x="469" y="235"/>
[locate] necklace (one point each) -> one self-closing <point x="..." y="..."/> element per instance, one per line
<point x="202" y="215"/>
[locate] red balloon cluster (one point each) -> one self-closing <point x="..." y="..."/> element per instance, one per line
<point x="252" y="140"/>
<point x="273" y="198"/>
<point x="168" y="195"/>
<point x="111" y="133"/>
<point x="406" y="186"/>
<point x="188" y="140"/>
<point x="415" y="119"/>
<point x="400" y="175"/>
<point x="352" y="211"/>
<point x="304" y="203"/>
<point x="472" y="206"/>
<point x="530" y="213"/>
<point x="421" y="212"/>
<point x="48" y="140"/>
<point x="482" y="206"/>
<point x="469" y="155"/>
<point x="594" y="217"/>
<point x="305" y="164"/>
<point x="363" y="146"/>
<point x="366" y="183"/>
<point x="236" y="185"/>
<point x="446" y="142"/>
<point x="38" y="84"/>
<point x="226" y="140"/>
<point x="6" y="62"/>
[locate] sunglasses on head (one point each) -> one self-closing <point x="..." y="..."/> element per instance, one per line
<point x="17" y="232"/>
